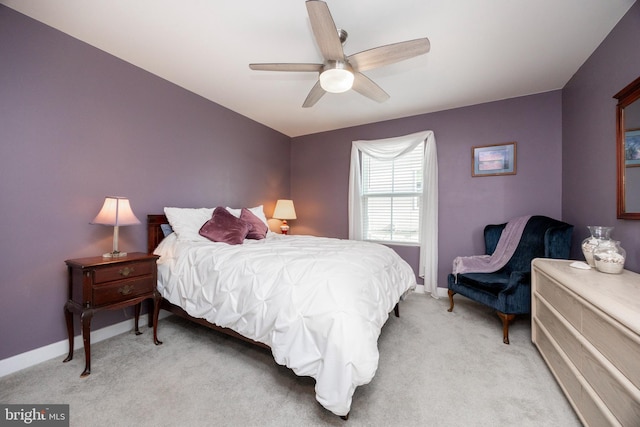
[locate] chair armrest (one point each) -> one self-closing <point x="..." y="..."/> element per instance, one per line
<point x="517" y="278"/>
<point x="516" y="298"/>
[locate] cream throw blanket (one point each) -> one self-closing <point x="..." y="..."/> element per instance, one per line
<point x="507" y="245"/>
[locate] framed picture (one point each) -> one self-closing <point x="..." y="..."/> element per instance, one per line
<point x="632" y="148"/>
<point x="491" y="160"/>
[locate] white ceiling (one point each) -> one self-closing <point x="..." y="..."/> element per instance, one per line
<point x="481" y="50"/>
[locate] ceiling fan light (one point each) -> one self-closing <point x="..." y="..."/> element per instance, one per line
<point x="336" y="80"/>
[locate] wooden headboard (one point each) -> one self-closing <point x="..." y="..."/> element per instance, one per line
<point x="154" y="232"/>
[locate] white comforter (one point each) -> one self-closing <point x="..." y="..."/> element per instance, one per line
<point x="319" y="303"/>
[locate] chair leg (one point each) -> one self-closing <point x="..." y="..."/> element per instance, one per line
<point x="506" y="319"/>
<point x="451" y="294"/>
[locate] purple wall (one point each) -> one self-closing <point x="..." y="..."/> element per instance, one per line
<point x="588" y="134"/>
<point x="320" y="170"/>
<point x="77" y="124"/>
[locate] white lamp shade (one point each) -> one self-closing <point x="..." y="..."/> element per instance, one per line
<point x="116" y="211"/>
<point x="336" y="80"/>
<point x="284" y="210"/>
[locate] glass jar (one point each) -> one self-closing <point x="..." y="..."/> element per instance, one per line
<point x="598" y="234"/>
<point x="609" y="257"/>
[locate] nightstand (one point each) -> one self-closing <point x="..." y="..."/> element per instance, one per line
<point x="98" y="283"/>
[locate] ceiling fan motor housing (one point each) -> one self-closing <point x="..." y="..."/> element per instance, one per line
<point x="342" y="34"/>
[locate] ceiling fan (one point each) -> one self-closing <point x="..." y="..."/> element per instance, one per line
<point x="339" y="73"/>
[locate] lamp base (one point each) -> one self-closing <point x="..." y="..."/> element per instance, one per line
<point x="116" y="254"/>
<point x="284" y="228"/>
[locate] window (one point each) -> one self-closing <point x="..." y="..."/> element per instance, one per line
<point x="392" y="197"/>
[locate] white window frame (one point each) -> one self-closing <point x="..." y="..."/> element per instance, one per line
<point x="395" y="181"/>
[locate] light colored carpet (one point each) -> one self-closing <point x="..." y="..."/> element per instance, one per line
<point x="436" y="369"/>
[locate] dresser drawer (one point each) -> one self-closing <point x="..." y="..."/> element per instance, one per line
<point x="122" y="290"/>
<point x="562" y="370"/>
<point x="563" y="301"/>
<point x="613" y="389"/>
<point x="614" y="341"/>
<point x="119" y="272"/>
<point x="588" y="405"/>
<point x="593" y="412"/>
<point x="560" y="330"/>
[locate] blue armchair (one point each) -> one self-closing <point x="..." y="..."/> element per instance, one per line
<point x="508" y="290"/>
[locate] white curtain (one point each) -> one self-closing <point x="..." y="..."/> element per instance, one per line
<point x="387" y="149"/>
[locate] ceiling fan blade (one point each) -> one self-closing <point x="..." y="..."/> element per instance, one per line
<point x="316" y="93"/>
<point x="325" y="31"/>
<point x="286" y="67"/>
<point x="365" y="86"/>
<point x="388" y="54"/>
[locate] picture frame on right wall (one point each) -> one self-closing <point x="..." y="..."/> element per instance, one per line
<point x="493" y="160"/>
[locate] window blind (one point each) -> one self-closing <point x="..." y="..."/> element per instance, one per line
<point x="392" y="196"/>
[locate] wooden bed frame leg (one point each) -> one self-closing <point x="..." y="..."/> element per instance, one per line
<point x="396" y="310"/>
<point x="346" y="417"/>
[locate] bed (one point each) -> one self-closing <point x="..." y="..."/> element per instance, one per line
<point x="317" y="303"/>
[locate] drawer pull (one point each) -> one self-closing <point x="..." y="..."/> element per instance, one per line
<point x="126" y="271"/>
<point x="125" y="290"/>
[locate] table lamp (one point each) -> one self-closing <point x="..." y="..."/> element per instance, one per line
<point x="116" y="211"/>
<point x="284" y="210"/>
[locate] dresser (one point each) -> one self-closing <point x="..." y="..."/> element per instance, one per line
<point x="586" y="325"/>
<point x="98" y="283"/>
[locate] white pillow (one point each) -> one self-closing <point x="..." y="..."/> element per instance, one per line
<point x="186" y="222"/>
<point x="257" y="211"/>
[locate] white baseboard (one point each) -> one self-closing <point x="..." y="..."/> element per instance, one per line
<point x="442" y="292"/>
<point x="61" y="348"/>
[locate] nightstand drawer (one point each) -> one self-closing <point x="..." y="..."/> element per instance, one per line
<point x="120" y="272"/>
<point x="122" y="290"/>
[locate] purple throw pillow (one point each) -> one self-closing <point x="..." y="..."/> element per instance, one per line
<point x="258" y="228"/>
<point x="224" y="227"/>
